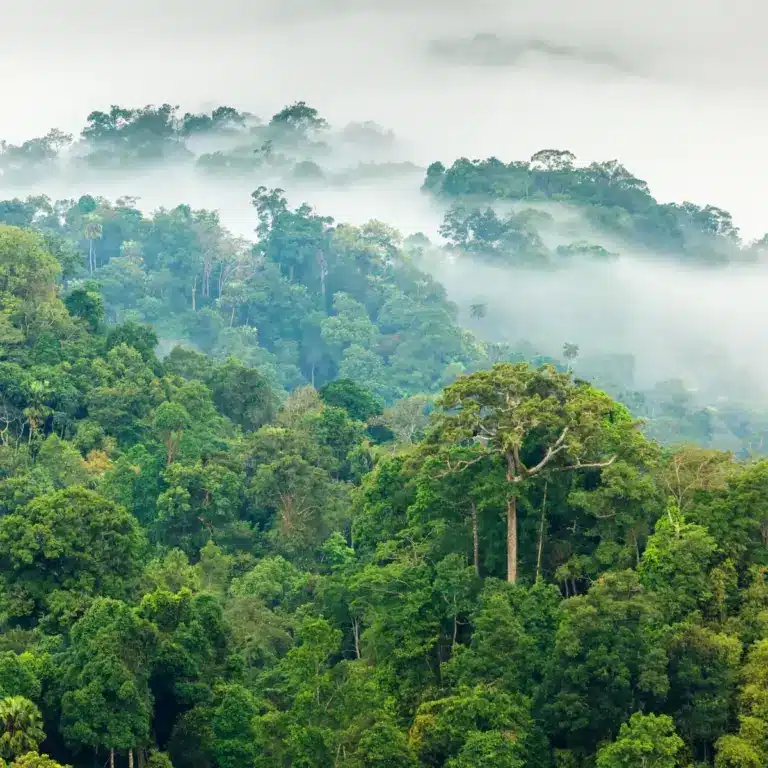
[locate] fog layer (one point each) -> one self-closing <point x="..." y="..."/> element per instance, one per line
<point x="693" y="125"/>
<point x="687" y="113"/>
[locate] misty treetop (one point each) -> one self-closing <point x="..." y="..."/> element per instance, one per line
<point x="610" y="198"/>
<point x="224" y="141"/>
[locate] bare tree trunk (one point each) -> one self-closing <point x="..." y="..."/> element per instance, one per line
<point x="90" y="256"/>
<point x="130" y="758"/>
<point x="194" y="291"/>
<point x="541" y="531"/>
<point x="512" y="539"/>
<point x="356" y="634"/>
<point x="112" y="758"/>
<point x="206" y="278"/>
<point x="232" y="316"/>
<point x="475" y="540"/>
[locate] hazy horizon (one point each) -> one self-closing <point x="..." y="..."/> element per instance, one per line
<point x="690" y="122"/>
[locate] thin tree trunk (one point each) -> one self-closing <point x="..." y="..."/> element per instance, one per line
<point x="194" y="291"/>
<point x="541" y="532"/>
<point x="475" y="540"/>
<point x="112" y="758"/>
<point x="232" y="317"/>
<point x="130" y="758"/>
<point x="290" y="273"/>
<point x="512" y="539"/>
<point x="356" y="633"/>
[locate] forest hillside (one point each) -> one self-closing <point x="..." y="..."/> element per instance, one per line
<point x="283" y="499"/>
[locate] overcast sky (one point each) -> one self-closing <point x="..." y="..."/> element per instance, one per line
<point x="692" y="121"/>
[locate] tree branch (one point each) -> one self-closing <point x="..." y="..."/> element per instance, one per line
<point x="589" y="465"/>
<point x="553" y="450"/>
<point x="459" y="466"/>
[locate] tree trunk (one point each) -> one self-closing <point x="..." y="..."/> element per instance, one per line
<point x="130" y="758"/>
<point x="475" y="540"/>
<point x="290" y="273"/>
<point x="112" y="758"/>
<point x="194" y="291"/>
<point x="356" y="633"/>
<point x="541" y="532"/>
<point x="512" y="539"/>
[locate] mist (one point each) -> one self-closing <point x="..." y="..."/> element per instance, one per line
<point x="692" y="125"/>
<point x="684" y="111"/>
<point x="703" y="326"/>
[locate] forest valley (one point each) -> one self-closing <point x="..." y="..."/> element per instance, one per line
<point x="267" y="503"/>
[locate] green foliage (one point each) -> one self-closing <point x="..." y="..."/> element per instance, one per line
<point x="105" y="673"/>
<point x="647" y="740"/>
<point x="267" y="504"/>
<point x="65" y="547"/>
<point x="21" y="724"/>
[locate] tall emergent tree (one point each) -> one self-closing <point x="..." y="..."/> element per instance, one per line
<point x="534" y="420"/>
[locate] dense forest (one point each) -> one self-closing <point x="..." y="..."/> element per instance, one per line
<point x="267" y="502"/>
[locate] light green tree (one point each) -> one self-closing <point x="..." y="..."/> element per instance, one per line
<point x="647" y="741"/>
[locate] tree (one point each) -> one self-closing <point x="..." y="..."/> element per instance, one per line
<point x="534" y="421"/>
<point x="299" y="118"/>
<point x="92" y="231"/>
<point x="27" y="270"/>
<point x="34" y="760"/>
<point x="675" y="565"/>
<point x="142" y="338"/>
<point x="242" y="394"/>
<point x="408" y="417"/>
<point x="385" y="746"/>
<point x="570" y="353"/>
<point x="171" y="419"/>
<point x="553" y="159"/>
<point x="234" y="743"/>
<point x="87" y="305"/>
<point x="348" y="394"/>
<point x="477" y="726"/>
<point x="105" y="675"/>
<point x="22" y="726"/>
<point x="609" y="661"/>
<point x="748" y="748"/>
<point x="67" y="546"/>
<point x="646" y="741"/>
